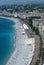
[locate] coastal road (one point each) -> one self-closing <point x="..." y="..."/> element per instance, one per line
<point x="29" y="33"/>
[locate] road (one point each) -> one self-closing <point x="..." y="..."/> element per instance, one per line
<point x="37" y="44"/>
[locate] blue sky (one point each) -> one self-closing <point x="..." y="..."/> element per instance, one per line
<point x="19" y="1"/>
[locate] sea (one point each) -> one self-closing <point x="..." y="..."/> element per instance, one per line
<point x="7" y="33"/>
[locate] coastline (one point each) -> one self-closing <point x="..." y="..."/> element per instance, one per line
<point x="17" y="40"/>
<point x="5" y="61"/>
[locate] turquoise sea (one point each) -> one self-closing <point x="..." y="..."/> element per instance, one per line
<point x="7" y="33"/>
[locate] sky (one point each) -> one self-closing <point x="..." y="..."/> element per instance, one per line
<point x="5" y="2"/>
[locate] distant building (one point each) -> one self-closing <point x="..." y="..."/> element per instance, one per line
<point x="9" y="10"/>
<point x="0" y="12"/>
<point x="42" y="15"/>
<point x="22" y="15"/>
<point x="15" y="14"/>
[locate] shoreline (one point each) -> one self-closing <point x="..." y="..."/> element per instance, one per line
<point x="5" y="61"/>
<point x="17" y="40"/>
<point x="13" y="43"/>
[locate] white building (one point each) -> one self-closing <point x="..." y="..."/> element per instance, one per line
<point x="22" y="15"/>
<point x="15" y="14"/>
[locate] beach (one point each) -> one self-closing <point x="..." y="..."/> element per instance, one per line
<point x="22" y="53"/>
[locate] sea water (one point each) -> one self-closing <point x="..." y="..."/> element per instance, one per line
<point x="7" y="33"/>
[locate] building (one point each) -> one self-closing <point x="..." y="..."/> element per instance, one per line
<point x="39" y="23"/>
<point x="15" y="14"/>
<point x="42" y="15"/>
<point x="22" y="15"/>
